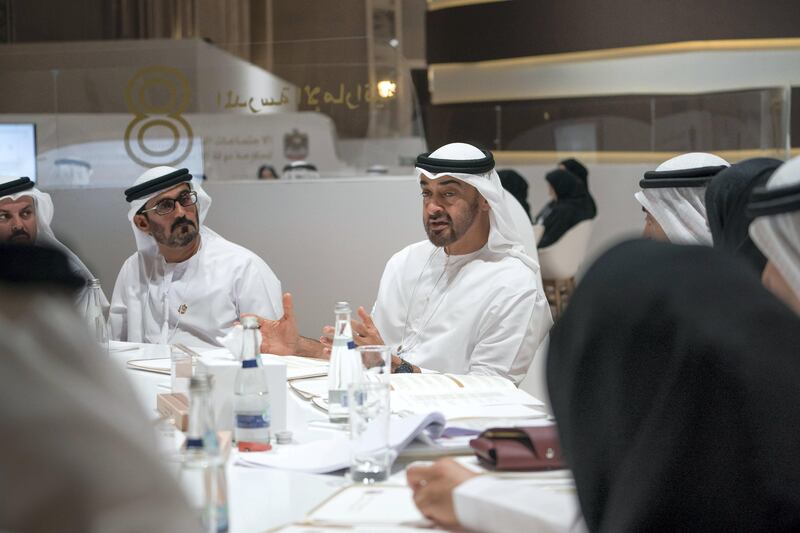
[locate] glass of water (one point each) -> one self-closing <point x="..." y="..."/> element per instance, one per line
<point x="376" y="359"/>
<point x="204" y="483"/>
<point x="370" y="456"/>
<point x="180" y="370"/>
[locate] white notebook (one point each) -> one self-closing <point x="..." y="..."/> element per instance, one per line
<point x="461" y="396"/>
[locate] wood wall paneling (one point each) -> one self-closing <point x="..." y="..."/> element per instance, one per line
<point x="519" y="28"/>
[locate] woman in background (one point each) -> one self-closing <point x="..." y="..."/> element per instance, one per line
<point x="577" y="168"/>
<point x="517" y="186"/>
<point x="570" y="205"/>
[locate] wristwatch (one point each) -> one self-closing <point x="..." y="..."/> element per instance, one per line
<point x="403" y="368"/>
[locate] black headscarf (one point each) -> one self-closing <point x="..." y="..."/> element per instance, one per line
<point x="726" y="201"/>
<point x="514" y="183"/>
<point x="577" y="168"/>
<point x="673" y="375"/>
<point x="572" y="205"/>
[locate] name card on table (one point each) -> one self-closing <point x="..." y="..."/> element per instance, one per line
<point x="224" y="375"/>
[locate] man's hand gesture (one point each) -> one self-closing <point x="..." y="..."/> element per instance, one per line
<point x="280" y="337"/>
<point x="365" y="333"/>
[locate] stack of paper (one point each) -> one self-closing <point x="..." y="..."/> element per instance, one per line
<point x="456" y="397"/>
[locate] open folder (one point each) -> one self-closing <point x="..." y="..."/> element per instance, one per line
<point x="455" y="396"/>
<point x="330" y="455"/>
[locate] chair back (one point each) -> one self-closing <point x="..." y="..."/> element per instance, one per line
<point x="562" y="259"/>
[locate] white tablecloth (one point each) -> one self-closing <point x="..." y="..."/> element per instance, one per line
<point x="262" y="498"/>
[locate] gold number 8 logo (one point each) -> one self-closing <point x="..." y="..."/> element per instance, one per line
<point x="146" y="115"/>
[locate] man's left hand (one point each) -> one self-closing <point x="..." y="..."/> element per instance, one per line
<point x="433" y="488"/>
<point x="365" y="333"/>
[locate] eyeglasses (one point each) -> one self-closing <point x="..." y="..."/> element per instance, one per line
<point x="167" y="205"/>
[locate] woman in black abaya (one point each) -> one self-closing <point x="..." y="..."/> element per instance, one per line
<point x="571" y="205"/>
<point x="673" y="375"/>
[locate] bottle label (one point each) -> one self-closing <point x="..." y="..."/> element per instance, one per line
<point x="249" y="363"/>
<point x="351" y="345"/>
<point x="252" y="421"/>
<point x="246" y="446"/>
<point x="337" y="397"/>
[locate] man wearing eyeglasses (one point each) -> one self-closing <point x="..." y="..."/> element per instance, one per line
<point x="185" y="284"/>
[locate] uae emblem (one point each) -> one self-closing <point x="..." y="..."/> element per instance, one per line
<point x="295" y="145"/>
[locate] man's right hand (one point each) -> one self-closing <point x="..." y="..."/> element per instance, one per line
<point x="433" y="488"/>
<point x="280" y="337"/>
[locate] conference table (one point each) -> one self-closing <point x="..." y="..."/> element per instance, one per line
<point x="259" y="499"/>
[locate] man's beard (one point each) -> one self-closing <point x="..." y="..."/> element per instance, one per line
<point x="20" y="236"/>
<point x="454" y="230"/>
<point x="184" y="231"/>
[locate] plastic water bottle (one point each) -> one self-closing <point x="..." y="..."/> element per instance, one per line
<point x="93" y="314"/>
<point x="203" y="469"/>
<point x="345" y="365"/>
<point x="251" y="404"/>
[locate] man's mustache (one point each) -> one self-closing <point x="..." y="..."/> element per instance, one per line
<point x="439" y="218"/>
<point x="183" y="221"/>
<point x="19" y="233"/>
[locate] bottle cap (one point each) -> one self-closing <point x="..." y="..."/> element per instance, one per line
<point x="193" y="444"/>
<point x="342" y="307"/>
<point x="93" y="283"/>
<point x="283" y="437"/>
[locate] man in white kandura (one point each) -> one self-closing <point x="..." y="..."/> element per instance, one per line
<point x="467" y="300"/>
<point x="673" y="198"/>
<point x="25" y="217"/>
<point x="185" y="283"/>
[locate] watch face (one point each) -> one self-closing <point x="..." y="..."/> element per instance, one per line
<point x="404" y="368"/>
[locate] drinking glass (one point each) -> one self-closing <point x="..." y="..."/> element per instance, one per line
<point x="180" y="370"/>
<point x="371" y="457"/>
<point x="376" y="359"/>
